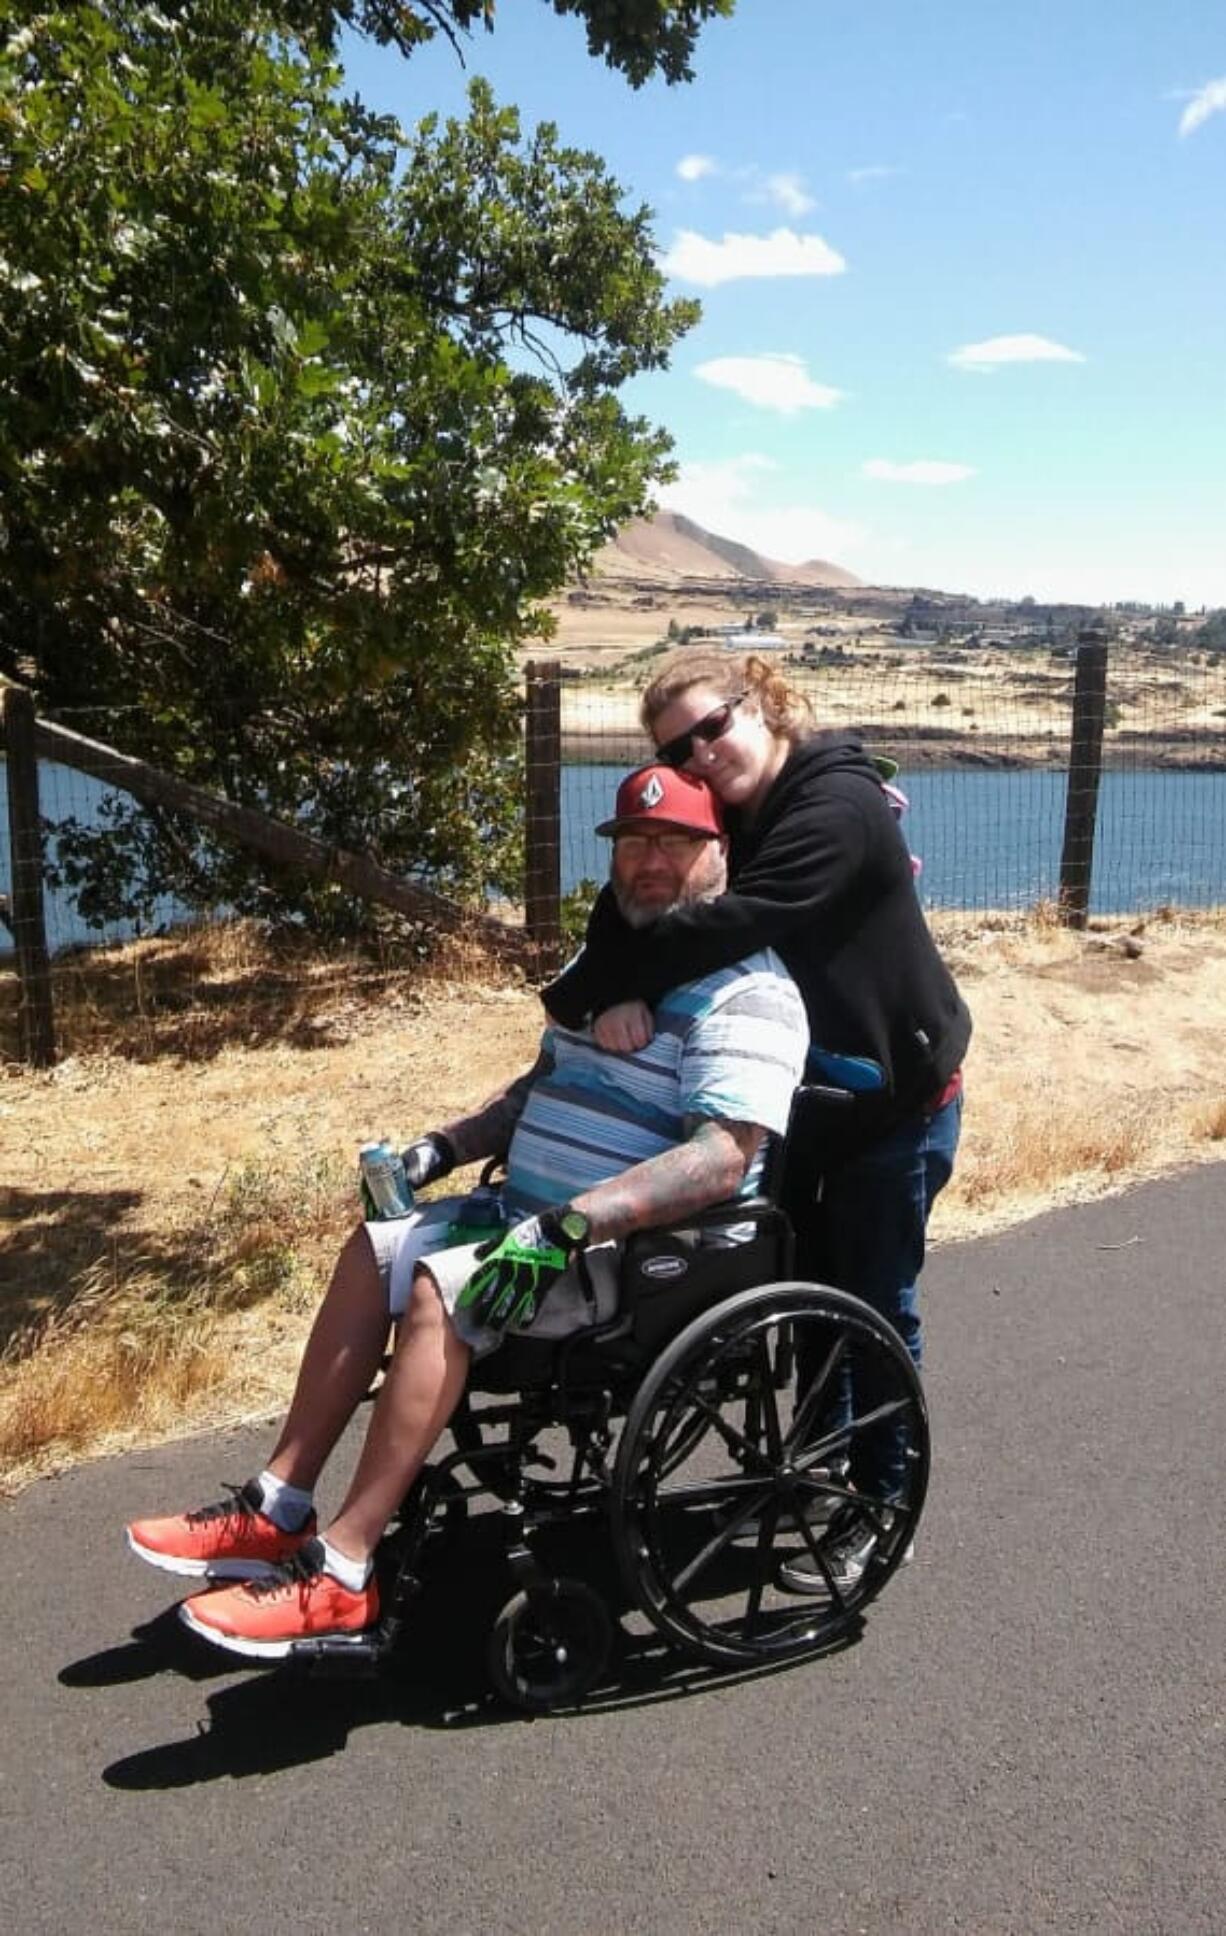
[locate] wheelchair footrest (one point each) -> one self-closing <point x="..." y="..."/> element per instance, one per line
<point x="359" y="1656"/>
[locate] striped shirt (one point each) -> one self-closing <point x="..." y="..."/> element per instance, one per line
<point x="729" y="1046"/>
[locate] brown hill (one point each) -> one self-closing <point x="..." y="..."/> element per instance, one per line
<point x="667" y="549"/>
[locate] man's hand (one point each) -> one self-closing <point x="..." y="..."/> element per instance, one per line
<point x="428" y="1158"/>
<point x="625" y="1028"/>
<point x="519" y="1270"/>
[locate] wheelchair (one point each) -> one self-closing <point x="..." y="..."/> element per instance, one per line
<point x="700" y="1430"/>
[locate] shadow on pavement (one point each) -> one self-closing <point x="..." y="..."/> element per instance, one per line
<point x="282" y="1717"/>
<point x="277" y="1718"/>
<point x="162" y="1645"/>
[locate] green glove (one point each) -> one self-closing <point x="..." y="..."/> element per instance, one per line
<point x="518" y="1270"/>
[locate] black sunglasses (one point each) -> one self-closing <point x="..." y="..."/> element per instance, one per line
<point x="675" y="752"/>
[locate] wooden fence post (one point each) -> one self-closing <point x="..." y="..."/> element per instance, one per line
<point x="1085" y="766"/>
<point x="543" y="808"/>
<point x="36" y="1015"/>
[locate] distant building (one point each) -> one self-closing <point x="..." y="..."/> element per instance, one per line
<point x="740" y="641"/>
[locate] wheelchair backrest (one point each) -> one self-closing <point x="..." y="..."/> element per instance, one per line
<point x="821" y="1122"/>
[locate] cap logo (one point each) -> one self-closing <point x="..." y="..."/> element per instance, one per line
<point x="652" y="794"/>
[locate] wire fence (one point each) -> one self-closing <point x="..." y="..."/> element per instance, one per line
<point x="983" y="743"/>
<point x="986" y="742"/>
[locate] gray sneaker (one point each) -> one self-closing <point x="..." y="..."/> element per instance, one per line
<point x="846" y="1553"/>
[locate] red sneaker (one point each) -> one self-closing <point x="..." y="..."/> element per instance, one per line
<point x="229" y="1541"/>
<point x="265" y="1617"/>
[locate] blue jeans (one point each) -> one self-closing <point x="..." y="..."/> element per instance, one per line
<point x="866" y="1234"/>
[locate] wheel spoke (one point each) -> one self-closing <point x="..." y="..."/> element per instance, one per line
<point x="734" y="1440"/>
<point x="819" y="1560"/>
<point x="837" y="1439"/>
<point x="767" y="1400"/>
<point x="868" y="1420"/>
<point x="680" y="1424"/>
<point x="711" y="1551"/>
<point x="753" y="1605"/>
<point x="815" y="1394"/>
<point x="832" y="1490"/>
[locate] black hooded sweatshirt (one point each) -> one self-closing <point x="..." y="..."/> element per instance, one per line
<point x="822" y="875"/>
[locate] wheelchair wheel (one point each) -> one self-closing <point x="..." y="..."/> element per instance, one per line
<point x="704" y="1520"/>
<point x="549" y="1645"/>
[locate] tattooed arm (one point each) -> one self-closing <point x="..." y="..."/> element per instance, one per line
<point x="707" y="1168"/>
<point x="487" y="1132"/>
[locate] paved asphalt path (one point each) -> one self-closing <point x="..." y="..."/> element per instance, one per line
<point x="1029" y="1735"/>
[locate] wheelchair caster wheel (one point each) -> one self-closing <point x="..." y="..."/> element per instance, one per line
<point x="549" y="1645"/>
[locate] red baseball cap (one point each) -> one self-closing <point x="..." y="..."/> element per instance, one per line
<point x="661" y="795"/>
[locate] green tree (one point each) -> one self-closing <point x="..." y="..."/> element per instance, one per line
<point x="639" y="37"/>
<point x="303" y="417"/>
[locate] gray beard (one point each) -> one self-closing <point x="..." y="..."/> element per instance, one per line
<point x="642" y="917"/>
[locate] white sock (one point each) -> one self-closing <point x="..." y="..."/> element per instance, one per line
<point x="351" y="1573"/>
<point x="287" y="1506"/>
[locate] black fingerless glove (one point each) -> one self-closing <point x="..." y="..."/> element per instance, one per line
<point x="429" y="1158"/>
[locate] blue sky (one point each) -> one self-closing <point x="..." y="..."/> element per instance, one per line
<point x="962" y="273"/>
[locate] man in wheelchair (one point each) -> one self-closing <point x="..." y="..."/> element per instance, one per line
<point x="597" y="1145"/>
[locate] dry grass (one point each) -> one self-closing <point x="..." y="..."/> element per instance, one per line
<point x="1098" y="1058"/>
<point x="1043" y="1143"/>
<point x="135" y="1345"/>
<point x="181" y="1181"/>
<point x="204" y="989"/>
<point x="1206" y="1121"/>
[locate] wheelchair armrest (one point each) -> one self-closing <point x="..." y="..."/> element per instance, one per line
<point x="733" y="1214"/>
<point x="734" y="1211"/>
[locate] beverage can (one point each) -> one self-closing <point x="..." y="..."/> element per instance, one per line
<point x="384" y="1185"/>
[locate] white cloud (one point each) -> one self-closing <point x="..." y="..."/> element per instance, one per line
<point x="1012" y="349"/>
<point x="923" y="471"/>
<point x="877" y="173"/>
<point x="772" y="382"/>
<point x="789" y="192"/>
<point x="726" y="499"/>
<point x="1210" y="100"/>
<point x="696" y="258"/>
<point x="692" y="168"/>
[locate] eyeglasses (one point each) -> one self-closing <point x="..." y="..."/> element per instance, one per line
<point x="675" y="752"/>
<point x="674" y="846"/>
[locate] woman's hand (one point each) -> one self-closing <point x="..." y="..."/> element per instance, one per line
<point x="625" y="1028"/>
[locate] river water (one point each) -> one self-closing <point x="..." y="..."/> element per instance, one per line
<point x="992" y="838"/>
<point x="987" y="839"/>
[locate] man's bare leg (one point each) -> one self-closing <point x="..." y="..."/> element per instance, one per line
<point x="420" y="1392"/>
<point x="343" y="1353"/>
